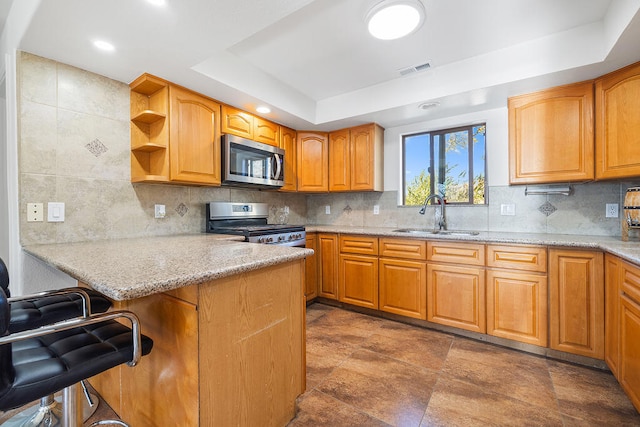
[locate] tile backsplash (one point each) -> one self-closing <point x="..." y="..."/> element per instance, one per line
<point x="74" y="148"/>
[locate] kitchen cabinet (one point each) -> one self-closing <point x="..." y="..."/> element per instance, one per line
<point x="313" y="161"/>
<point x="612" y="274"/>
<point x="327" y="265"/>
<point x="246" y="125"/>
<point x="311" y="268"/>
<point x="288" y="144"/>
<point x="194" y="143"/>
<point x="355" y="159"/>
<point x="576" y="302"/>
<point x="174" y="134"/>
<point x="149" y="129"/>
<point x="629" y="344"/>
<point x="517" y="293"/>
<point x="358" y="271"/>
<point x="402" y="277"/>
<point x="456" y="285"/>
<point x="551" y="135"/>
<point x="617" y="101"/>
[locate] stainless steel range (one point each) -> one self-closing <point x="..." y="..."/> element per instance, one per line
<point x="250" y="220"/>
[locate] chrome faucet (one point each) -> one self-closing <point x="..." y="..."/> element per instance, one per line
<point x="440" y="222"/>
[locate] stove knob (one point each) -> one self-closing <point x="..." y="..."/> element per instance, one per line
<point x="270" y="239"/>
<point x="280" y="238"/>
<point x="260" y="239"/>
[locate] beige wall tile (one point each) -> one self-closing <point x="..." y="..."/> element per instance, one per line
<point x="38" y="79"/>
<point x="38" y="135"/>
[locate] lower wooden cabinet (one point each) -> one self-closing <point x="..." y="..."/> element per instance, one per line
<point x="517" y="306"/>
<point x="456" y="296"/>
<point x="327" y="265"/>
<point x="629" y="372"/>
<point x="311" y="269"/>
<point x="612" y="274"/>
<point x="576" y="302"/>
<point x="358" y="280"/>
<point x="403" y="287"/>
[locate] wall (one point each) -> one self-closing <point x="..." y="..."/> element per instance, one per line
<point x="74" y="148"/>
<point x="583" y="212"/>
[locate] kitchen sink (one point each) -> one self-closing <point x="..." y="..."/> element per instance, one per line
<point x="430" y="231"/>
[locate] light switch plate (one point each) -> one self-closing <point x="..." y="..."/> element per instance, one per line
<point x="160" y="211"/>
<point x="327" y="209"/>
<point x="508" y="209"/>
<point x="376" y="209"/>
<point x="55" y="212"/>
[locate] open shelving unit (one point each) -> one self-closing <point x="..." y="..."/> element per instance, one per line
<point x="149" y="129"/>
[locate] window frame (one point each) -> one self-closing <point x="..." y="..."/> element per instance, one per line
<point x="442" y="132"/>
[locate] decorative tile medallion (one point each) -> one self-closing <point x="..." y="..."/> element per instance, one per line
<point x="182" y="209"/>
<point x="547" y="208"/>
<point x="347" y="209"/>
<point x="96" y="147"/>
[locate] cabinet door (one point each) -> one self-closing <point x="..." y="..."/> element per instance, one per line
<point x="288" y="144"/>
<point x="517" y="306"/>
<point x="311" y="269"/>
<point x="366" y="158"/>
<point x="576" y="303"/>
<point x="339" y="161"/>
<point x="358" y="280"/>
<point x="618" y="124"/>
<point x="403" y="287"/>
<point x="551" y="136"/>
<point x="629" y="370"/>
<point x="328" y="265"/>
<point x="313" y="162"/>
<point x="612" y="273"/>
<point x="266" y="132"/>
<point x="194" y="144"/>
<point x="237" y="122"/>
<point x="456" y="296"/>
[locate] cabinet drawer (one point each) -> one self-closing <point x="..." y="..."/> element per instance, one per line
<point x="363" y="245"/>
<point x="403" y="248"/>
<point x="529" y="258"/>
<point x="461" y="253"/>
<point x="631" y="281"/>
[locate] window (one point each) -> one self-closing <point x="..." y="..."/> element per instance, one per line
<point x="448" y="162"/>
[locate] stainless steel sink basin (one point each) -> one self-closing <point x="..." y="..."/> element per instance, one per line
<point x="443" y="232"/>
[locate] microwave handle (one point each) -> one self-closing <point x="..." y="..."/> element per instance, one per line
<point x="278" y="166"/>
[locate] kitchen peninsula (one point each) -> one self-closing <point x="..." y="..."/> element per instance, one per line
<point x="226" y="317"/>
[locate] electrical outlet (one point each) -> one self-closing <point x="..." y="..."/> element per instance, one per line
<point x="327" y="209"/>
<point x="160" y="211"/>
<point x="376" y="209"/>
<point x="286" y="210"/>
<point x="612" y="210"/>
<point x="35" y="212"/>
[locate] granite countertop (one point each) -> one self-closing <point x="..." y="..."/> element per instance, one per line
<point x="125" y="269"/>
<point x="629" y="251"/>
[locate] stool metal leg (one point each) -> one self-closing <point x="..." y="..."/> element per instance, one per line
<point x="47" y="414"/>
<point x="71" y="417"/>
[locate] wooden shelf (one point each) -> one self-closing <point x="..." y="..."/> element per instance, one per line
<point x="148" y="147"/>
<point x="150" y="178"/>
<point x="147" y="84"/>
<point x="148" y="117"/>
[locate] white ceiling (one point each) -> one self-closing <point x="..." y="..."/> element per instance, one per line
<point x="313" y="62"/>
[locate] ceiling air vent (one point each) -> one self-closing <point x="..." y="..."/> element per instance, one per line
<point x="414" y="69"/>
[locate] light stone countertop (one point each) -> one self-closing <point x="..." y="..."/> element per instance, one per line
<point x="124" y="269"/>
<point x="629" y="251"/>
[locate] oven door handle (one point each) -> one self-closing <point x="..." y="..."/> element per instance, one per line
<point x="276" y="157"/>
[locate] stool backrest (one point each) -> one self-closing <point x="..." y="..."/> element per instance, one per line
<point x="4" y="278"/>
<point x="7" y="373"/>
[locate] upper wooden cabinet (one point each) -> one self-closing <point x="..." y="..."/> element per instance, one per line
<point x="551" y="135"/>
<point x="355" y="159"/>
<point x="618" y="124"/>
<point x="313" y="160"/>
<point x="174" y="134"/>
<point x="194" y="143"/>
<point x="288" y="144"/>
<point x="246" y="125"/>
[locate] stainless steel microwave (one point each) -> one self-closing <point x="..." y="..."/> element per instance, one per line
<point x="250" y="163"/>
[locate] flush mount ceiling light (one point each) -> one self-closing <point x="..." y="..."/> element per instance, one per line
<point x="103" y="45"/>
<point x="428" y="105"/>
<point x="159" y="3"/>
<point x="392" y="19"/>
<point x="263" y="110"/>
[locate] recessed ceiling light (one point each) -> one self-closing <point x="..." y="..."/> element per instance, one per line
<point x="263" y="110"/>
<point x="103" y="45"/>
<point x="158" y="3"/>
<point x="392" y="19"/>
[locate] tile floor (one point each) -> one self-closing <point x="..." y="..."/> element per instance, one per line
<point x="368" y="371"/>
